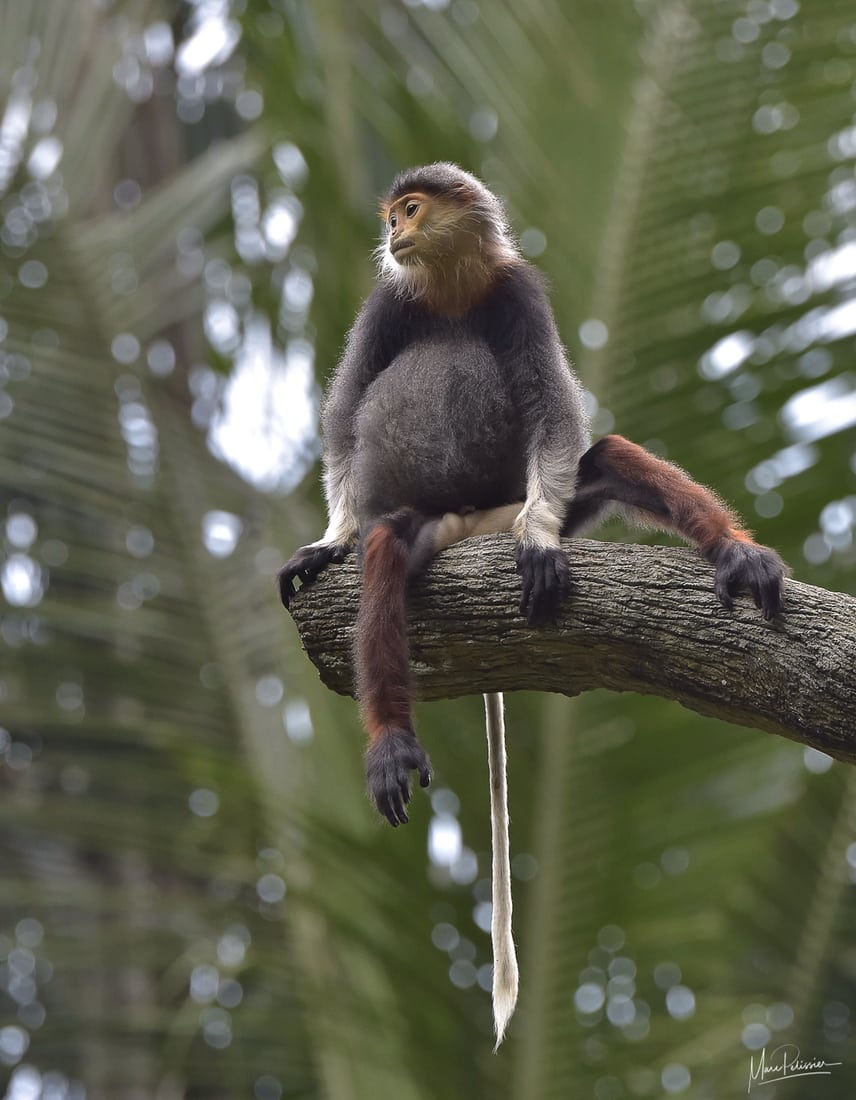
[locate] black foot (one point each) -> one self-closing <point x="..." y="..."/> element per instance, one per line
<point x="305" y="564"/>
<point x="546" y="582"/>
<point x="757" y="569"/>
<point x="389" y="761"/>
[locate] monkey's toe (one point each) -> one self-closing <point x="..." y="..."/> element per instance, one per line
<point x="546" y="582"/>
<point x="390" y="759"/>
<point x="746" y="566"/>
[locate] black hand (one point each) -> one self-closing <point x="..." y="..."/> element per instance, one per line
<point x="389" y="761"/>
<point x="305" y="565"/>
<point x="546" y="582"/>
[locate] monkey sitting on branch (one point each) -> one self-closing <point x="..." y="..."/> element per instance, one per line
<point x="454" y="412"/>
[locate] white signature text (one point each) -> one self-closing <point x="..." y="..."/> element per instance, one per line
<point x="783" y="1062"/>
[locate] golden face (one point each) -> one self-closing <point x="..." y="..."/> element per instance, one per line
<point x="404" y="219"/>
<point x="443" y="247"/>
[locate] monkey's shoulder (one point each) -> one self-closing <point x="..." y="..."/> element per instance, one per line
<point x="517" y="310"/>
<point x="383" y="303"/>
<point x="524" y="285"/>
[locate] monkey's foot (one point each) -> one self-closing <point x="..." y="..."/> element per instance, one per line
<point x="746" y="565"/>
<point x="305" y="564"/>
<point x="390" y="759"/>
<point x="546" y="582"/>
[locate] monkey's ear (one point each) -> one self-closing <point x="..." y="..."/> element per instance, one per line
<point x="463" y="193"/>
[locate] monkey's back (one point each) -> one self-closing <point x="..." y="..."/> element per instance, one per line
<point x="437" y="430"/>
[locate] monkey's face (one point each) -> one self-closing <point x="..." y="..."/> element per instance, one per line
<point x="443" y="246"/>
<point x="429" y="230"/>
<point x="406" y="222"/>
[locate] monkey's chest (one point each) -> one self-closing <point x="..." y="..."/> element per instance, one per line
<point x="437" y="431"/>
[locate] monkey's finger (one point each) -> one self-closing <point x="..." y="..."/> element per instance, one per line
<point x="286" y="586"/>
<point x="388" y="810"/>
<point x="526" y="583"/>
<point x="538" y="599"/>
<point x="539" y="607"/>
<point x="774" y="589"/>
<point x="397" y="797"/>
<point x="724" y="591"/>
<point x="729" y="586"/>
<point x="526" y="592"/>
<point x="563" y="577"/>
<point x="393" y="796"/>
<point x="558" y="585"/>
<point x="554" y="588"/>
<point x="776" y="604"/>
<point x="769" y="593"/>
<point x="418" y="762"/>
<point x="385" y="803"/>
<point x="530" y="565"/>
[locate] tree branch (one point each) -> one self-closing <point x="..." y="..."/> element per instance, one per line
<point x="640" y="618"/>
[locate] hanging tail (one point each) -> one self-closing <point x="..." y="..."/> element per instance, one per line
<point x="505" y="974"/>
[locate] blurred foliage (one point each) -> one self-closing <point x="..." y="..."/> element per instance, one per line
<point x="195" y="899"/>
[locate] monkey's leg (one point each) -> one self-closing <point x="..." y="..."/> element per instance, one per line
<point x="382" y="665"/>
<point x="659" y="494"/>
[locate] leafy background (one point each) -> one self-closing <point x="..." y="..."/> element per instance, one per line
<point x="195" y="899"/>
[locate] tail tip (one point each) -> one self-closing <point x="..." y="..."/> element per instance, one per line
<point x="504" y="1003"/>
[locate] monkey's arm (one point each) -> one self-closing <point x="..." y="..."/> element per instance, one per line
<point x="370" y="345"/>
<point x="339" y="537"/>
<point x="549" y="401"/>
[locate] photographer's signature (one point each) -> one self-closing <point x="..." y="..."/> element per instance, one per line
<point x="784" y="1062"/>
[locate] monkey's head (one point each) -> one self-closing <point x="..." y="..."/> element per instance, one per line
<point x="445" y="237"/>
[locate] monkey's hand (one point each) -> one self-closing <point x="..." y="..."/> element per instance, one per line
<point x="746" y="565"/>
<point x="546" y="582"/>
<point x="390" y="759"/>
<point x="306" y="563"/>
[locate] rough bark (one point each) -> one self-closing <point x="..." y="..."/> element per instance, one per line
<point x="640" y="618"/>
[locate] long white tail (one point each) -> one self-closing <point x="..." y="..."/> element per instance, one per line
<point x="505" y="975"/>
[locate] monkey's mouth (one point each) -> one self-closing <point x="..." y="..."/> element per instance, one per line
<point x="401" y="245"/>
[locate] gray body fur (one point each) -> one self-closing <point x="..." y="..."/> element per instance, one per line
<point x="436" y="430"/>
<point x="450" y="422"/>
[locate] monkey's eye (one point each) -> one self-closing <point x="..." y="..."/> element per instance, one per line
<point x="393" y="219"/>
<point x="411" y="209"/>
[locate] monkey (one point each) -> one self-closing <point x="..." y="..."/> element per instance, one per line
<point x="453" y="412"/>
